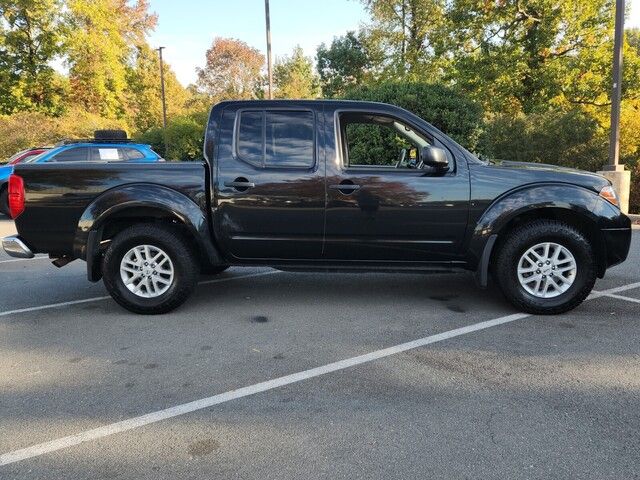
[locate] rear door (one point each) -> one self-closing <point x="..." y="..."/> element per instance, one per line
<point x="270" y="190"/>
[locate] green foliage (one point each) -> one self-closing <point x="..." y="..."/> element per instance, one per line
<point x="293" y="77"/>
<point x="447" y="110"/>
<point x="570" y="138"/>
<point x="346" y="63"/>
<point x="103" y="36"/>
<point x="373" y="144"/>
<point x="409" y="33"/>
<point x="185" y="137"/>
<point x="31" y="37"/>
<point x="31" y="129"/>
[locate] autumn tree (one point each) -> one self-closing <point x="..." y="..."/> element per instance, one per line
<point x="103" y="37"/>
<point x="294" y="76"/>
<point x="30" y="38"/>
<point x="232" y="70"/>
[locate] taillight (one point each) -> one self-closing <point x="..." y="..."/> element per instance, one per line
<point x="16" y="195"/>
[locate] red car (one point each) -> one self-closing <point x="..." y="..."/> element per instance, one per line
<point x="25" y="155"/>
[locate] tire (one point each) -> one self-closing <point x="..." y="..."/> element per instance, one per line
<point x="214" y="269"/>
<point x="4" y="201"/>
<point x="181" y="262"/>
<point x="541" y="232"/>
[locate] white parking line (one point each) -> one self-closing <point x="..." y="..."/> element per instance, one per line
<point x="97" y="299"/>
<point x="136" y="422"/>
<point x="621" y="297"/>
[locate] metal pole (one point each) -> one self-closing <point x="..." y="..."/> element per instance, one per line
<point x="164" y="103"/>
<point x="616" y="93"/>
<point x="269" y="66"/>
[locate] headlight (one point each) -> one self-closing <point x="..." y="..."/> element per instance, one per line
<point x="610" y="195"/>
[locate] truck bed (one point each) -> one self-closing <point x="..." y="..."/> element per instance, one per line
<point x="57" y="194"/>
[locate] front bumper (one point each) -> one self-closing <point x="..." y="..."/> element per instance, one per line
<point x="617" y="243"/>
<point x="15" y="247"/>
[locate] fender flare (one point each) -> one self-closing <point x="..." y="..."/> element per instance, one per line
<point x="86" y="244"/>
<point x="572" y="199"/>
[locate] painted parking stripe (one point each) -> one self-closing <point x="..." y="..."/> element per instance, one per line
<point x="136" y="422"/>
<point x="621" y="297"/>
<point x="97" y="299"/>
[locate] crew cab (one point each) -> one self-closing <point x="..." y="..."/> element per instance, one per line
<point x="322" y="186"/>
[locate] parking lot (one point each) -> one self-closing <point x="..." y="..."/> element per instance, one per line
<point x="265" y="374"/>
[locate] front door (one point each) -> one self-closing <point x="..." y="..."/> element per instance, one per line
<point x="382" y="203"/>
<point x="270" y="184"/>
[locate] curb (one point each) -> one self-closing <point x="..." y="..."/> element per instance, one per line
<point x="635" y="218"/>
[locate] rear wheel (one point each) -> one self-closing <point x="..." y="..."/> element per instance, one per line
<point x="4" y="201"/>
<point x="150" y="269"/>
<point x="546" y="267"/>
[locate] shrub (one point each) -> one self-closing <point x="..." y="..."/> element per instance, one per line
<point x="31" y="129"/>
<point x="451" y="112"/>
<point x="570" y="138"/>
<point x="185" y="136"/>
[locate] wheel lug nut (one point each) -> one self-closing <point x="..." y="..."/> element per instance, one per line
<point x="537" y="271"/>
<point x="155" y="273"/>
<point x="544" y="276"/>
<point x="548" y="262"/>
<point x="540" y="264"/>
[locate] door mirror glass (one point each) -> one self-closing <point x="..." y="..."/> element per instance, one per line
<point x="434" y="157"/>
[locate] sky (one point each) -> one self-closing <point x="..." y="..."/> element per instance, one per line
<point x="187" y="27"/>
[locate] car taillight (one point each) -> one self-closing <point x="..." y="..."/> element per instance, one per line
<point x="16" y="195"/>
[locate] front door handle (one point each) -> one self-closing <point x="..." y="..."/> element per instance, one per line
<point x="345" y="187"/>
<point x="241" y="184"/>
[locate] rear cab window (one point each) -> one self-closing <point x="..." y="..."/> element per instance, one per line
<point x="276" y="138"/>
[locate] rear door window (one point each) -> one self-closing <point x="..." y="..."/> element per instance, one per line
<point x="273" y="139"/>
<point x="73" y="154"/>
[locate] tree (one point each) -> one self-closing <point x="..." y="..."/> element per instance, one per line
<point x="232" y="70"/>
<point x="31" y="38"/>
<point x="144" y="96"/>
<point x="103" y="37"/>
<point x="407" y="32"/>
<point x="294" y="77"/>
<point x="346" y="63"/>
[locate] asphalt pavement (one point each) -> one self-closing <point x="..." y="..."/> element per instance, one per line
<point x="273" y="375"/>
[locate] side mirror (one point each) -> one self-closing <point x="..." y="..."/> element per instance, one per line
<point x="434" y="157"/>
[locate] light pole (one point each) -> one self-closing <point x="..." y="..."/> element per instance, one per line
<point x="615" y="172"/>
<point x="269" y="65"/>
<point x="164" y="103"/>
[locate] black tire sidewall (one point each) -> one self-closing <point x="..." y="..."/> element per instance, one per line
<point x="174" y="246"/>
<point x="558" y="233"/>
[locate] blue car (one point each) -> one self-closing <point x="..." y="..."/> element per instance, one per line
<point x="83" y="151"/>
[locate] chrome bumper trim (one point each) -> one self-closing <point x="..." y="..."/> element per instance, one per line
<point x="15" y="247"/>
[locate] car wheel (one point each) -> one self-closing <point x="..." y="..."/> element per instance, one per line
<point x="4" y="201"/>
<point x="150" y="269"/>
<point x="546" y="267"/>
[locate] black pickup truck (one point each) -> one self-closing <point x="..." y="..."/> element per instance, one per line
<point x="322" y="186"/>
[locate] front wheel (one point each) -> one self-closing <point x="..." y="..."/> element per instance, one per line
<point x="150" y="269"/>
<point x="546" y="267"/>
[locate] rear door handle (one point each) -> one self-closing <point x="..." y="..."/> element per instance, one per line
<point x="241" y="184"/>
